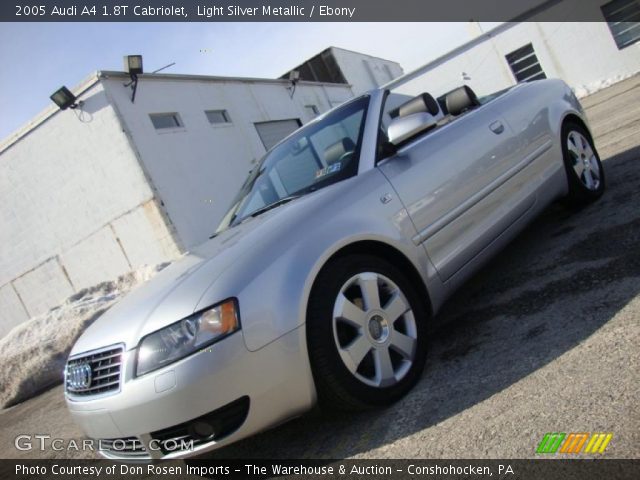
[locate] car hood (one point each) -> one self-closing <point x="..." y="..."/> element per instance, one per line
<point x="174" y="293"/>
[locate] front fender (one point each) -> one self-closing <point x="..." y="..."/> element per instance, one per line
<point x="273" y="283"/>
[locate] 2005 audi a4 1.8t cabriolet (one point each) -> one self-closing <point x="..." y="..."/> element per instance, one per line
<point x="344" y="240"/>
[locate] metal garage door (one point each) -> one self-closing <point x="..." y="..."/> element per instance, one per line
<point x="272" y="132"/>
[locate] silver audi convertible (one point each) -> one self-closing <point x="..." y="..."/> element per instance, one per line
<point x="316" y="287"/>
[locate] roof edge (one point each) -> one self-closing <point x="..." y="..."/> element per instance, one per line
<point x="213" y="78"/>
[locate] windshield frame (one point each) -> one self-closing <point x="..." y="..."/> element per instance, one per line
<point x="231" y="218"/>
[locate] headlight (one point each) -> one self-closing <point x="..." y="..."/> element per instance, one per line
<point x="187" y="336"/>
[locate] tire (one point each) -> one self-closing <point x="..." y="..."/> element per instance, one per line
<point x="345" y="323"/>
<point x="585" y="173"/>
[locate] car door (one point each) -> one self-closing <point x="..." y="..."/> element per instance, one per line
<point x="455" y="183"/>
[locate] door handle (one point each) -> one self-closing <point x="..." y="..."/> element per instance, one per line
<point x="497" y="127"/>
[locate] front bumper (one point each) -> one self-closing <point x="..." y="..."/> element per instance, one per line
<point x="276" y="382"/>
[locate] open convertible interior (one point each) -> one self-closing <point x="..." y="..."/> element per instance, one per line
<point x="406" y="119"/>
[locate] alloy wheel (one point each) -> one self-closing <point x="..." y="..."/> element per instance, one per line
<point x="584" y="161"/>
<point x="374" y="329"/>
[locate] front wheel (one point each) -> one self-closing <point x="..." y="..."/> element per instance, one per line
<point x="585" y="173"/>
<point x="365" y="332"/>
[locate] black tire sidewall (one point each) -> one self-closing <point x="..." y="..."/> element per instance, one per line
<point x="336" y="385"/>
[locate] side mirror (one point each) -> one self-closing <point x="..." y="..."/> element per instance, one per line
<point x="402" y="129"/>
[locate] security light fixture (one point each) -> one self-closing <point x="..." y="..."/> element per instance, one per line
<point x="64" y="99"/>
<point x="294" y="78"/>
<point x="133" y="64"/>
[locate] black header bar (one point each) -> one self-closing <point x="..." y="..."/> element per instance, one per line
<point x="371" y="469"/>
<point x="300" y="10"/>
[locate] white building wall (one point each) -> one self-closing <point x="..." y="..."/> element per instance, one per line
<point x="85" y="262"/>
<point x="487" y="72"/>
<point x="197" y="169"/>
<point x="582" y="54"/>
<point x="12" y="311"/>
<point x="144" y="235"/>
<point x="364" y="72"/>
<point x="66" y="185"/>
<point x="43" y="287"/>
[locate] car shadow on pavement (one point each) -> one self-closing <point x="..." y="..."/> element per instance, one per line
<point x="558" y="282"/>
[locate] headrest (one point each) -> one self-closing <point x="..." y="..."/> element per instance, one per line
<point x="460" y="100"/>
<point x="334" y="152"/>
<point x="422" y="103"/>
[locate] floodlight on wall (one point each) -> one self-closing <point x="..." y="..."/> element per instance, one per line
<point x="133" y="66"/>
<point x="294" y="78"/>
<point x="64" y="99"/>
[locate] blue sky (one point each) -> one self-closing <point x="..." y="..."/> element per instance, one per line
<point x="37" y="58"/>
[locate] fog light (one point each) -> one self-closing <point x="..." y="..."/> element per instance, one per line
<point x="202" y="430"/>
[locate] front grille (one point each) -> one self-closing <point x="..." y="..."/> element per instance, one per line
<point x="209" y="427"/>
<point x="95" y="372"/>
<point x="129" y="447"/>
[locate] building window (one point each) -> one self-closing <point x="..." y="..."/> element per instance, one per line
<point x="312" y="110"/>
<point x="165" y="120"/>
<point x="623" y="18"/>
<point x="216" y="117"/>
<point x="524" y="64"/>
<point x="272" y="132"/>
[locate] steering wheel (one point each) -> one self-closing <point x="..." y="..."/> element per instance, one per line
<point x="345" y="157"/>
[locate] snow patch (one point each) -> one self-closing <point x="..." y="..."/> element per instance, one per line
<point x="582" y="91"/>
<point x="33" y="354"/>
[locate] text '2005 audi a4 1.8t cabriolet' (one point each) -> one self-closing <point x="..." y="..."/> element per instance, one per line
<point x="317" y="285"/>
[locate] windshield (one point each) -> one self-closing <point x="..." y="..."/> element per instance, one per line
<point x="317" y="155"/>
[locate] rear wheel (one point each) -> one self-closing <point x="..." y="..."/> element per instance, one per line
<point x="365" y="332"/>
<point x="585" y="173"/>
